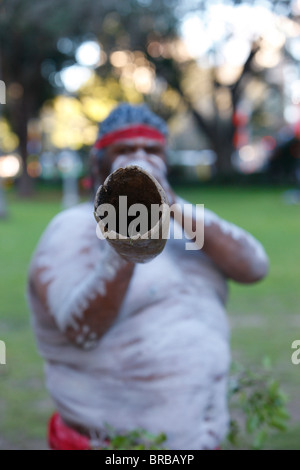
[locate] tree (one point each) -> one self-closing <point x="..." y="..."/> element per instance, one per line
<point x="141" y="41"/>
<point x="212" y="82"/>
<point x="29" y="33"/>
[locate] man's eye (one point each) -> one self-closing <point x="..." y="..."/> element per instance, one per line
<point x="123" y="150"/>
<point x="154" y="150"/>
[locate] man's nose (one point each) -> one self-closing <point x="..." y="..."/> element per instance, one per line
<point x="138" y="153"/>
<point x="140" y="158"/>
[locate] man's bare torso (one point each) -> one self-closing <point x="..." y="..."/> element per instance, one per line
<point x="163" y="363"/>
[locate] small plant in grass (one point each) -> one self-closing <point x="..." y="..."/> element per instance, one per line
<point x="257" y="404"/>
<point x="138" y="439"/>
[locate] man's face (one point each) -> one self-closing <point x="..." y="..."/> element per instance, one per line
<point x="147" y="153"/>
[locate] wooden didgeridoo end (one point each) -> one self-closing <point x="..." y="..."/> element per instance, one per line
<point x="140" y="188"/>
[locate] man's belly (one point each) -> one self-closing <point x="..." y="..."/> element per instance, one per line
<point x="162" y="365"/>
<point x="155" y="369"/>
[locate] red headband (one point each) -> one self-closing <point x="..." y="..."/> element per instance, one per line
<point x="138" y="130"/>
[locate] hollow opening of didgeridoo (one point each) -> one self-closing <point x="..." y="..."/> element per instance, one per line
<point x="139" y="188"/>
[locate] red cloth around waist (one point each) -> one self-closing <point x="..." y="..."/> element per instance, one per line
<point x="61" y="437"/>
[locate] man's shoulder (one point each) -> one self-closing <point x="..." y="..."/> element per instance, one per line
<point x="78" y="213"/>
<point x="72" y="223"/>
<point x="83" y="213"/>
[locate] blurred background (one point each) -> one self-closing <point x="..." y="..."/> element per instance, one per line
<point x="226" y="77"/>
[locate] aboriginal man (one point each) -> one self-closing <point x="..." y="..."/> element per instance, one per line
<point x="137" y="345"/>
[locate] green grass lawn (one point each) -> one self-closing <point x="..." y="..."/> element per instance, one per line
<point x="264" y="317"/>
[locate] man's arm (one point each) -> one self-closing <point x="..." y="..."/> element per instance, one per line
<point x="80" y="280"/>
<point x="234" y="251"/>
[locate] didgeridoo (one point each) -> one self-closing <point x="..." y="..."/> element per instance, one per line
<point x="137" y="243"/>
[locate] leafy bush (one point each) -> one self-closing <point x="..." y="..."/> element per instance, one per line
<point x="138" y="439"/>
<point x="257" y="406"/>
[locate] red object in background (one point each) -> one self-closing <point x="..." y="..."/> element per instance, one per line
<point x="241" y="134"/>
<point x="240" y="119"/>
<point x="240" y="138"/>
<point x="86" y="183"/>
<point x="297" y="129"/>
<point x="269" y="142"/>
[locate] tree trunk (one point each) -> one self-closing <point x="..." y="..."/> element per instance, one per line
<point x="224" y="161"/>
<point x="3" y="205"/>
<point x="20" y="116"/>
<point x="25" y="183"/>
<point x="224" y="148"/>
<point x="220" y="133"/>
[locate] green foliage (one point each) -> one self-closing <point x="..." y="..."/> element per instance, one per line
<point x="258" y="405"/>
<point x="138" y="439"/>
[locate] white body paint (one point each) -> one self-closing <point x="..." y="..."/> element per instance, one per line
<point x="162" y="365"/>
<point x="70" y="291"/>
<point x="237" y="233"/>
<point x="258" y="255"/>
